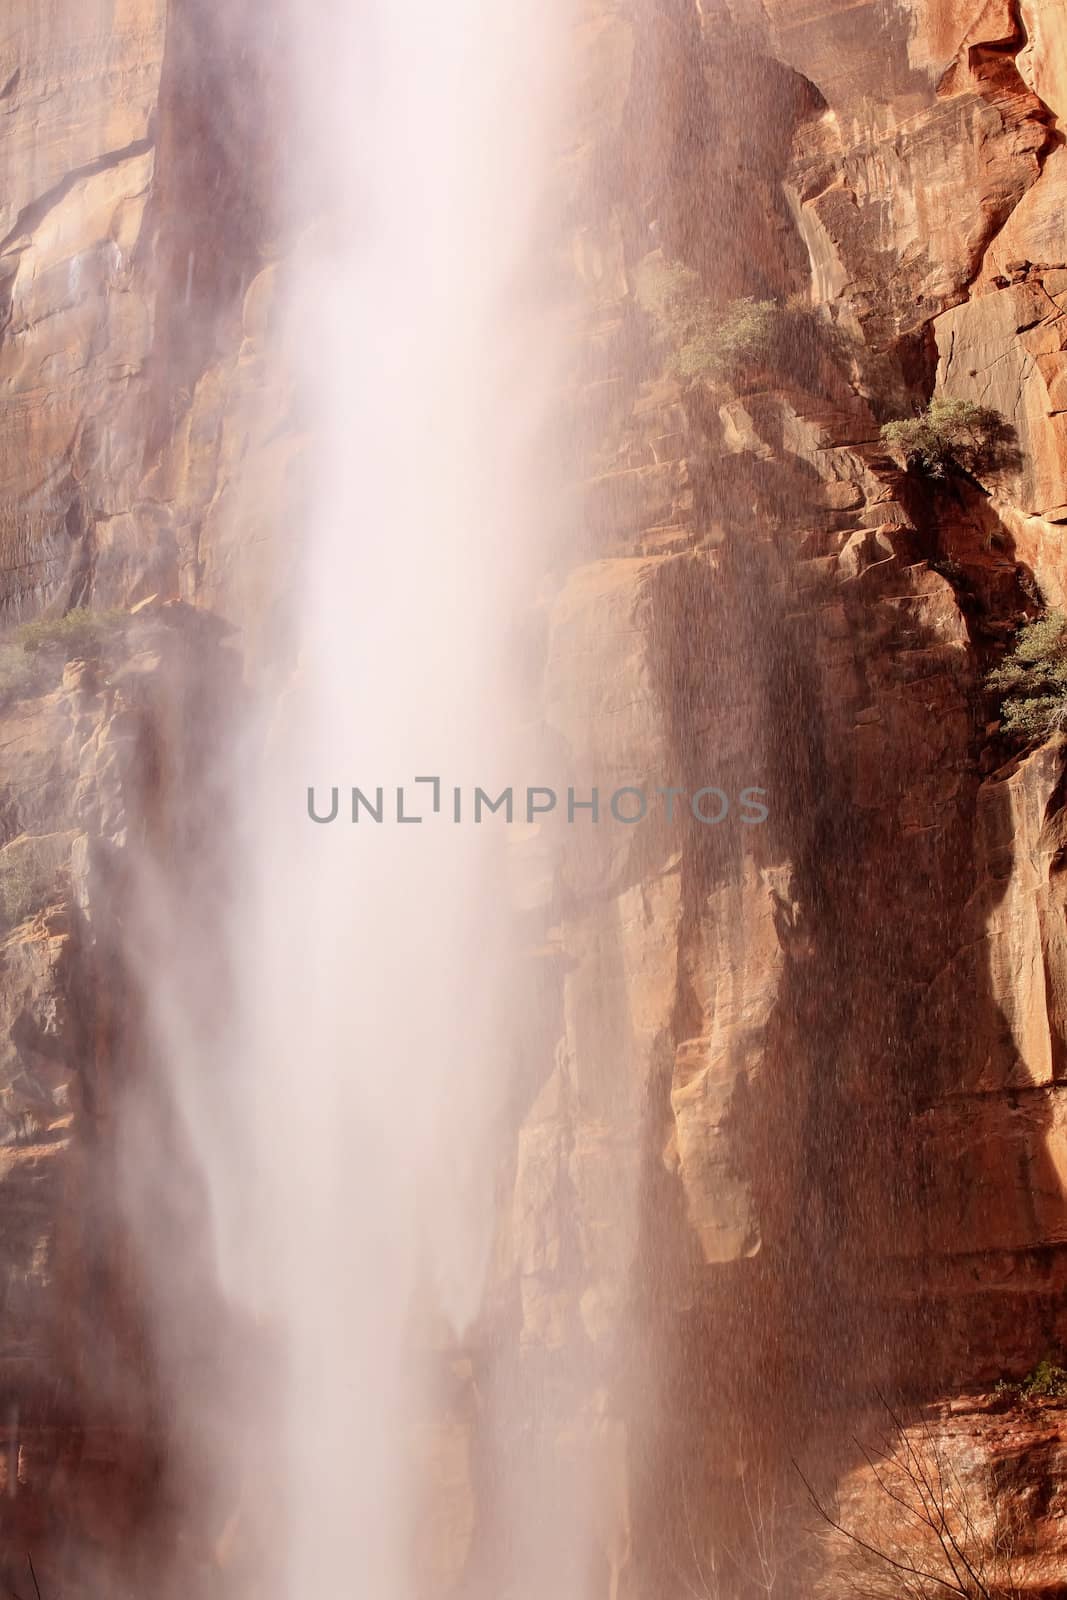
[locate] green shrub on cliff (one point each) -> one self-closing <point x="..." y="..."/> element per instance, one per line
<point x="708" y="342"/>
<point x="948" y="435"/>
<point x="1048" y="1381"/>
<point x="79" y="632"/>
<point x="731" y="342"/>
<point x="33" y="654"/>
<point x="1031" y="681"/>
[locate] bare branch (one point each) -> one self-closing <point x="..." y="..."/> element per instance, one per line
<point x="946" y="1543"/>
<point x="880" y="1555"/>
<point x="937" y="1519"/>
<point x="708" y="1592"/>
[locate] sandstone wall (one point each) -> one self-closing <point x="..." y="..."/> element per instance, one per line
<point x="841" y="1158"/>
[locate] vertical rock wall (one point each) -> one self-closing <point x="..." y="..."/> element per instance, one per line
<point x="835" y="1131"/>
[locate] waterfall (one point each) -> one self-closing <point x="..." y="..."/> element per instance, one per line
<point x="362" y="1057"/>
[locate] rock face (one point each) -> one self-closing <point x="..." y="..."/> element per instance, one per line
<point x="835" y="1129"/>
<point x="81" y="87"/>
<point x="789" y="1127"/>
<point x="90" y="788"/>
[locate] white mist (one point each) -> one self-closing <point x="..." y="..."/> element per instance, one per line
<point x="365" y="1058"/>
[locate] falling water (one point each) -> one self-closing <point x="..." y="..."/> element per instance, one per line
<point x="363" y="1058"/>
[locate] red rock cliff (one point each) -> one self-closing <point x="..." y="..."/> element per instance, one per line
<point x="788" y="1128"/>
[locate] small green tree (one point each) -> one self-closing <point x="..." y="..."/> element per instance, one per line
<point x="78" y="632"/>
<point x="33" y="654"/>
<point x="1047" y="1381"/>
<point x="949" y="435"/>
<point x="1031" y="681"/>
<point x="708" y="342"/>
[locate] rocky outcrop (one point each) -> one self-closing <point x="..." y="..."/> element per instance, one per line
<point x="995" y="1468"/>
<point x="929" y="140"/>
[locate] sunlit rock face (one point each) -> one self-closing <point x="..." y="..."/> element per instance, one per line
<point x="81" y="87"/>
<point x="787" y="1124"/>
<point x="852" y="1145"/>
<point x="931" y="135"/>
<point x="134" y="241"/>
